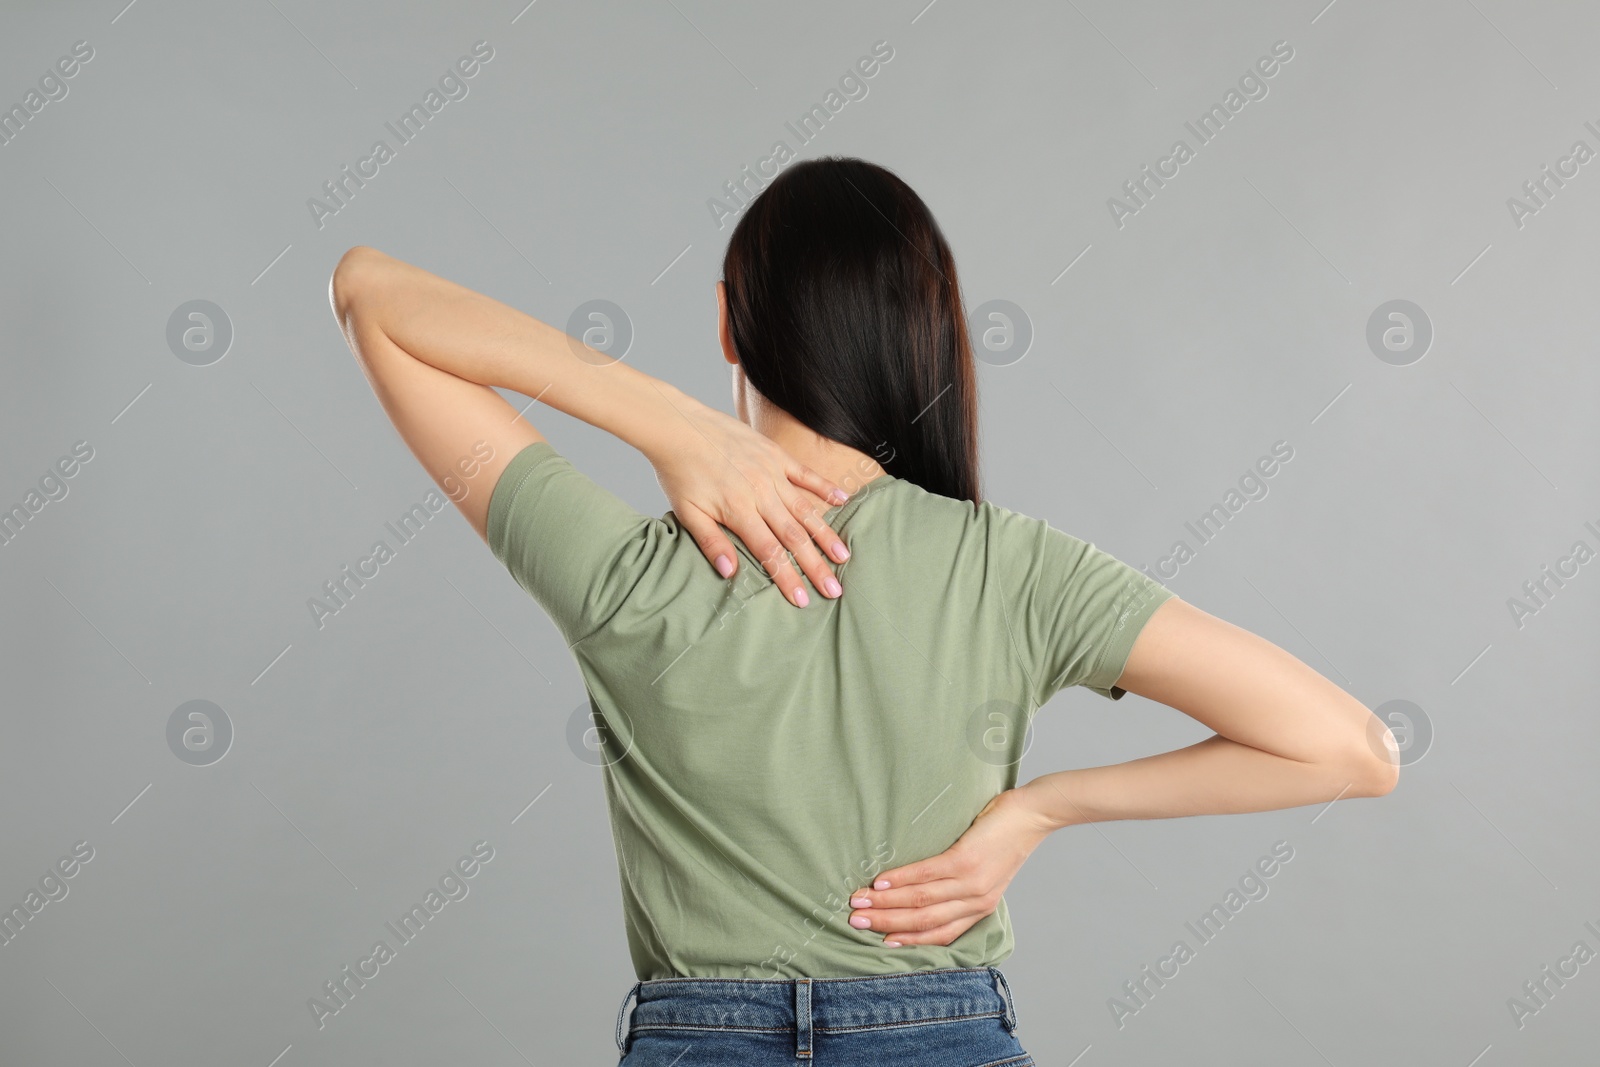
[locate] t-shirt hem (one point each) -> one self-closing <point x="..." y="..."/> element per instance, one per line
<point x="497" y="522"/>
<point x="1114" y="653"/>
<point x="506" y="488"/>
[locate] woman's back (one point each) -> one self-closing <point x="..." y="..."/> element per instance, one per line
<point x="763" y="762"/>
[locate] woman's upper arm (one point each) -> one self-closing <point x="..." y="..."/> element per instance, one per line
<point x="463" y="433"/>
<point x="1249" y="690"/>
<point x="580" y="550"/>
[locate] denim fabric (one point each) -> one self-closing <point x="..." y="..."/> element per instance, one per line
<point x="959" y="1017"/>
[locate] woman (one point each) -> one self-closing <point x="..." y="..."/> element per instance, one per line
<point x="814" y="803"/>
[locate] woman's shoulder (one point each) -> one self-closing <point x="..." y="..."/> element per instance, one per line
<point x="909" y="496"/>
<point x="913" y="519"/>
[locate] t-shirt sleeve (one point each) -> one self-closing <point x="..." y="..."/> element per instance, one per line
<point x="573" y="545"/>
<point x="1080" y="610"/>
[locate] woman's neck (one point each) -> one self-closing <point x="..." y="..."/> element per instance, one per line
<point x="849" y="468"/>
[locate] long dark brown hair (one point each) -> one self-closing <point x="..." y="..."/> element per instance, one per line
<point x="845" y="311"/>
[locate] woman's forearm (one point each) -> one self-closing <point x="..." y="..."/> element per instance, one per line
<point x="434" y="352"/>
<point x="1214" y="777"/>
<point x="482" y="340"/>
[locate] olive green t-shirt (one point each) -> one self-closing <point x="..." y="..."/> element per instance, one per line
<point x="762" y="761"/>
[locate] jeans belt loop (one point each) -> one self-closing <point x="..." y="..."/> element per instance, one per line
<point x="622" y="1044"/>
<point x="802" y="1018"/>
<point x="1004" y="989"/>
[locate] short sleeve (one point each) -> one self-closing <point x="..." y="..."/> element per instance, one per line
<point x="1080" y="610"/>
<point x="573" y="545"/>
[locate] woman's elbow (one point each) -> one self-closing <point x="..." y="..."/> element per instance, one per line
<point x="1374" y="767"/>
<point x="348" y="279"/>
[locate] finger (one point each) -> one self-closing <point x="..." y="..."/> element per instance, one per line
<point x="928" y="870"/>
<point x="943" y="935"/>
<point x="784" y="522"/>
<point x="918" y="920"/>
<point x="806" y="478"/>
<point x="820" y="534"/>
<point x="806" y="508"/>
<point x="919" y="895"/>
<point x="712" y="541"/>
<point x="754" y="531"/>
<point x="797" y="540"/>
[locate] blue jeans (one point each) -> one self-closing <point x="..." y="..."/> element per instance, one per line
<point x="959" y="1017"/>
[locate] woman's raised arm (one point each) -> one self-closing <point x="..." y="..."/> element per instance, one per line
<point x="433" y="350"/>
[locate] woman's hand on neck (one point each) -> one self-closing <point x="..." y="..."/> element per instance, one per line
<point x="848" y="467"/>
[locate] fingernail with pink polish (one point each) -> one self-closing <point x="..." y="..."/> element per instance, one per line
<point x="881" y="883"/>
<point x="891" y="944"/>
<point x="841" y="551"/>
<point x="724" y="566"/>
<point x="861" y="902"/>
<point x="800" y="598"/>
<point x="860" y="922"/>
<point x="832" y="586"/>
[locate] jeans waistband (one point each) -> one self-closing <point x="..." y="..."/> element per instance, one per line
<point x="805" y="1005"/>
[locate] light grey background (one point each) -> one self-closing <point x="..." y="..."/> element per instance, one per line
<point x="1228" y="314"/>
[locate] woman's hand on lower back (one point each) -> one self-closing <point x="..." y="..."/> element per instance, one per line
<point x="718" y="470"/>
<point x="936" y="900"/>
